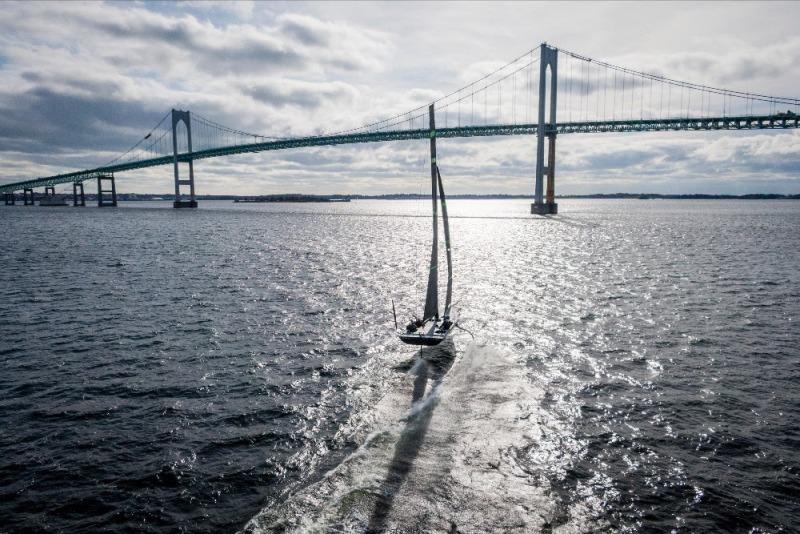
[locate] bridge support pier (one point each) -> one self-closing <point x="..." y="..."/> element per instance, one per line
<point x="10" y="199"/>
<point x="75" y="187"/>
<point x="102" y="200"/>
<point x="26" y="201"/>
<point x="178" y="116"/>
<point x="546" y="205"/>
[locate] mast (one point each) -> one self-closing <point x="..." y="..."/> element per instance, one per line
<point x="449" y="297"/>
<point x="432" y="296"/>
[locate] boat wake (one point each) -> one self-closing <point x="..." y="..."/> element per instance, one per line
<point x="440" y="453"/>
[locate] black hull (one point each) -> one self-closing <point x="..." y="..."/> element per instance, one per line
<point x="420" y="339"/>
<point x="431" y="334"/>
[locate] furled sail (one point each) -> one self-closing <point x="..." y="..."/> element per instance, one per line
<point x="432" y="296"/>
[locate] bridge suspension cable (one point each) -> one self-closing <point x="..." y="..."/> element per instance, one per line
<point x="585" y="83"/>
<point x="458" y="98"/>
<point x="142" y="150"/>
<point x="589" y="90"/>
<point x="593" y="96"/>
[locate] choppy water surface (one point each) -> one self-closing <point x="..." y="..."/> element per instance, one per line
<point x="634" y="368"/>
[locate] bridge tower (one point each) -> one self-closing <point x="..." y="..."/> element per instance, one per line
<point x="178" y="116"/>
<point x="546" y="205"/>
<point x="102" y="194"/>
<point x="78" y="199"/>
<point x="25" y="192"/>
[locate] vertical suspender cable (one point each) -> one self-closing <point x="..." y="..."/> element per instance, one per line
<point x="614" y="97"/>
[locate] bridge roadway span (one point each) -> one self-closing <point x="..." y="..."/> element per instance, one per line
<point x="646" y="125"/>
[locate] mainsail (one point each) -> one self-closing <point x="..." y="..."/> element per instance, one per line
<point x="432" y="297"/>
<point x="432" y="329"/>
<point x="446" y="246"/>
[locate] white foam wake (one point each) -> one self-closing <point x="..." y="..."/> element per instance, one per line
<point x="447" y="462"/>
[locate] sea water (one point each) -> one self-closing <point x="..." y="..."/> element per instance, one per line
<point x="627" y="365"/>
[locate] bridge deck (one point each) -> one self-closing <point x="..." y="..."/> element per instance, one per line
<point x="647" y="125"/>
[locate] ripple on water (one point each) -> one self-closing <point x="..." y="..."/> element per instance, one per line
<point x="634" y="369"/>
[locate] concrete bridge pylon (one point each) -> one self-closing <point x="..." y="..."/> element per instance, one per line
<point x="185" y="116"/>
<point x="545" y="205"/>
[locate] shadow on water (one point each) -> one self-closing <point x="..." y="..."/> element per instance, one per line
<point x="431" y="365"/>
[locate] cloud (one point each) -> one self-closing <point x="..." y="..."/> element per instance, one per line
<point x="733" y="66"/>
<point x="81" y="83"/>
<point x="279" y="92"/>
<point x="241" y="9"/>
<point x="130" y="65"/>
<point x="43" y="121"/>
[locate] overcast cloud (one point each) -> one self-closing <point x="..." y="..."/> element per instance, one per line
<point x="81" y="82"/>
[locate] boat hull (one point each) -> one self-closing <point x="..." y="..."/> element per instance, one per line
<point x="422" y="339"/>
<point x="432" y="333"/>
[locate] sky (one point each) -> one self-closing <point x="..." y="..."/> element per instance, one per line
<point x="80" y="83"/>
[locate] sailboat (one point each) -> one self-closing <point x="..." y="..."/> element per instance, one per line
<point x="433" y="328"/>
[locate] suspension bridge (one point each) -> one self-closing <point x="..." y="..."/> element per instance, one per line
<point x="545" y="92"/>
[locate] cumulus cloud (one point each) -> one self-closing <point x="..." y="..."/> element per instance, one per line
<point x="81" y="82"/>
<point x="281" y="92"/>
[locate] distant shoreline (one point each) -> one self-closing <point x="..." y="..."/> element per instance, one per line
<point x="129" y="197"/>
